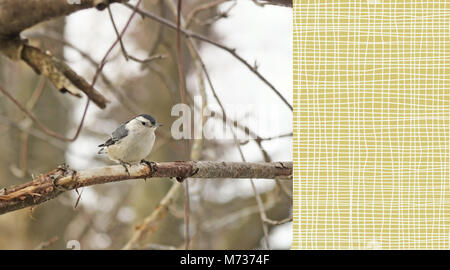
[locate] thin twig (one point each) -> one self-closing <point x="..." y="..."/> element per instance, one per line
<point x="277" y="222"/>
<point x="191" y="34"/>
<point x="285" y="135"/>
<point x="124" y="52"/>
<point x="258" y="140"/>
<point x="47" y="243"/>
<point x="258" y="199"/>
<point x="37" y="133"/>
<point x="260" y="205"/>
<point x="152" y="246"/>
<point x="119" y="37"/>
<point x="148" y="59"/>
<point x="229" y="219"/>
<point x="262" y="213"/>
<point x="40" y="125"/>
<point x="222" y="14"/>
<point x="122" y="46"/>
<point x="27" y="126"/>
<point x="197" y="145"/>
<point x="149" y="224"/>
<point x="182" y="84"/>
<point x="199" y="8"/>
<point x="283" y="3"/>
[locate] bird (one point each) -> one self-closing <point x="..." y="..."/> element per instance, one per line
<point x="132" y="141"/>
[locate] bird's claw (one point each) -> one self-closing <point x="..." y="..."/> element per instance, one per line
<point x="65" y="170"/>
<point x="124" y="164"/>
<point x="151" y="165"/>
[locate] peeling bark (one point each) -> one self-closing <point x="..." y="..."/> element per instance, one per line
<point x="61" y="75"/>
<point x="18" y="15"/>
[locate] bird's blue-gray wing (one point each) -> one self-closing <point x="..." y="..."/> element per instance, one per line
<point x="120" y="132"/>
<point x="116" y="136"/>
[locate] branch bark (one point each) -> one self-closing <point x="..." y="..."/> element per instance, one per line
<point x="18" y="15"/>
<point x="50" y="185"/>
<point x="284" y="3"/>
<point x="61" y="75"/>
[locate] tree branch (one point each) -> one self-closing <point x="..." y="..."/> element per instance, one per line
<point x="284" y="3"/>
<point x="201" y="7"/>
<point x="15" y="15"/>
<point x="50" y="185"/>
<point x="61" y="75"/>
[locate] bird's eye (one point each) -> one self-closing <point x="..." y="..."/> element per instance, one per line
<point x="143" y="123"/>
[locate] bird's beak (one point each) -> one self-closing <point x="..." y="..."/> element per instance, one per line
<point x="159" y="124"/>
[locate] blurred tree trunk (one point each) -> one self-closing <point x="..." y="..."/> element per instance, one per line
<point x="20" y="229"/>
<point x="154" y="92"/>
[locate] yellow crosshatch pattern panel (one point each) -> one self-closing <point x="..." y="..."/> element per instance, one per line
<point x="371" y="121"/>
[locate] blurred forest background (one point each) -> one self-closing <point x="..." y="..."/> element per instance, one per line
<point x="224" y="212"/>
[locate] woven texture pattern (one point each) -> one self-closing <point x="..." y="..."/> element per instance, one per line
<point x="371" y="122"/>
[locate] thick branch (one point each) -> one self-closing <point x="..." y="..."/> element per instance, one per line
<point x="15" y="16"/>
<point x="285" y="3"/>
<point x="61" y="75"/>
<point x="18" y="15"/>
<point x="52" y="184"/>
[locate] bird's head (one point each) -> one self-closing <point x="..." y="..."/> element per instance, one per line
<point x="143" y="122"/>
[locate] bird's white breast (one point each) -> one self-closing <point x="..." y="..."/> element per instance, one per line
<point x="136" y="146"/>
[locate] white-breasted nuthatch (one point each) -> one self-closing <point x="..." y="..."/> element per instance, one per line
<point x="131" y="142"/>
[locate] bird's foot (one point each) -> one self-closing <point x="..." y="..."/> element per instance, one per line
<point x="63" y="169"/>
<point x="124" y="164"/>
<point x="151" y="165"/>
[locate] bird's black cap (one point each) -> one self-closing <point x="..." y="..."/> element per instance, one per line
<point x="149" y="118"/>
